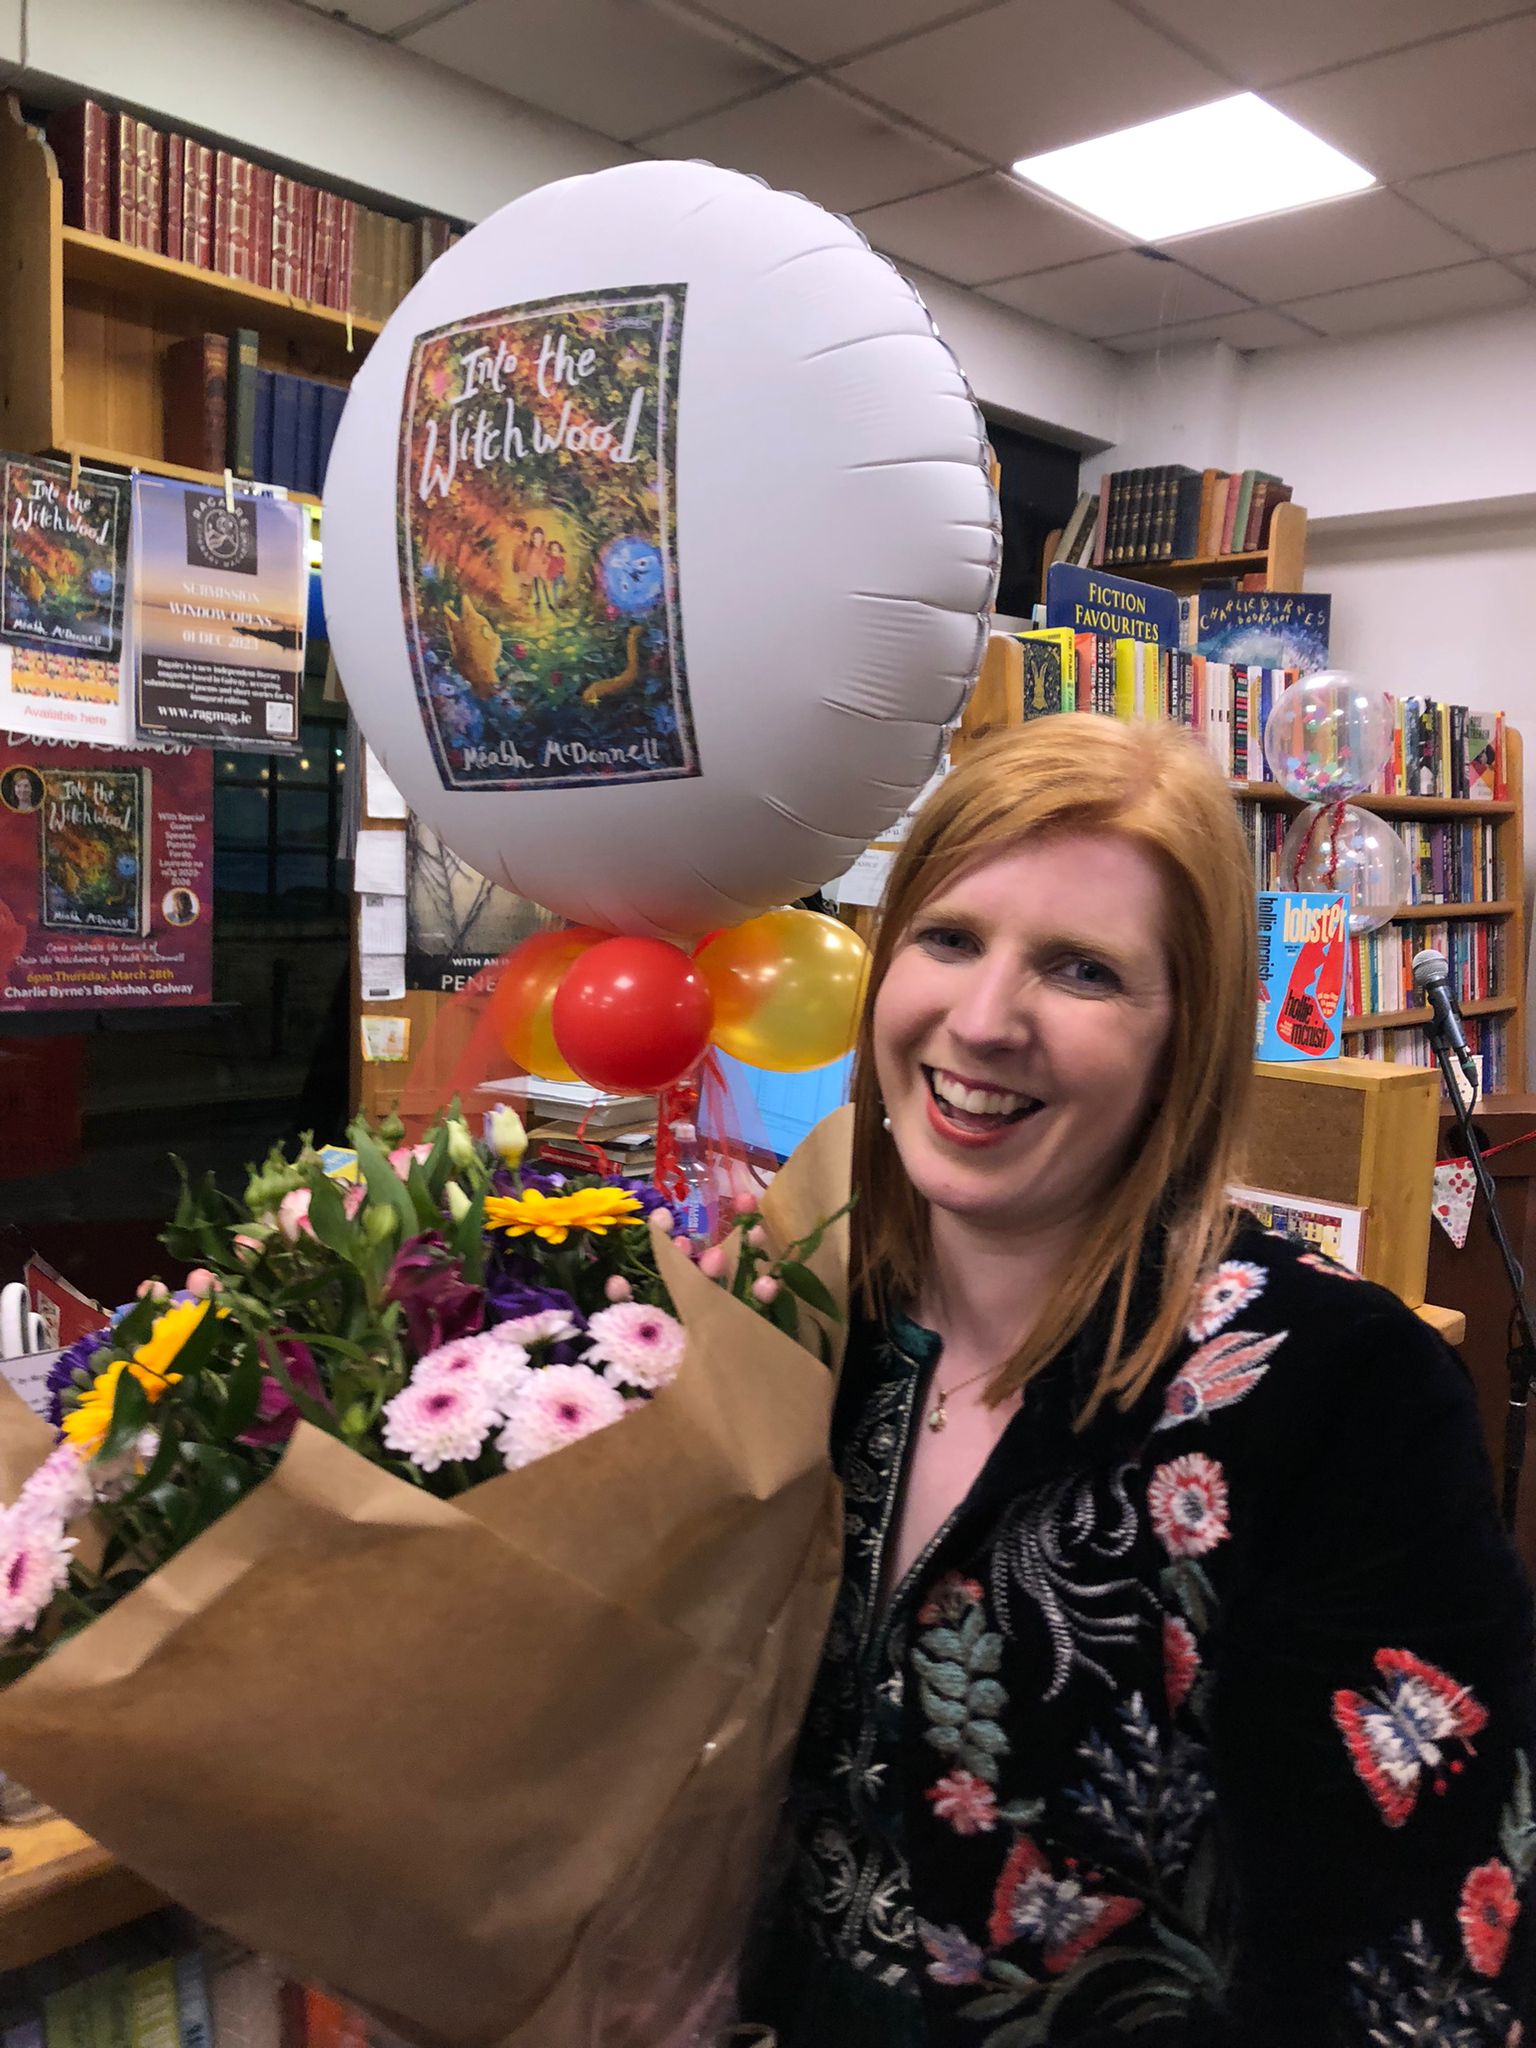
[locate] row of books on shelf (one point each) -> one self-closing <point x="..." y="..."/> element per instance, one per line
<point x="224" y="411"/>
<point x="1380" y="975"/>
<point x="175" y="196"/>
<point x="1487" y="1040"/>
<point x="1172" y="513"/>
<point x="1453" y="862"/>
<point x="1440" y="750"/>
<point x="165" y="1982"/>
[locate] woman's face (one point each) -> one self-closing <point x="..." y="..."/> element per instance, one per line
<point x="1021" y="1029"/>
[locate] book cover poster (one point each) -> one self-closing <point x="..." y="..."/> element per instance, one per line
<point x="1303" y="954"/>
<point x="1264" y="628"/>
<point x="62" y="551"/>
<point x="537" y="529"/>
<point x="106" y="876"/>
<point x="456" y="922"/>
<point x="1092" y="601"/>
<point x="219" y="594"/>
<point x="52" y="695"/>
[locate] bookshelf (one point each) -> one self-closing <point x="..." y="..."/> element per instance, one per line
<point x="88" y="322"/>
<point x="1283" y="563"/>
<point x="1507" y="910"/>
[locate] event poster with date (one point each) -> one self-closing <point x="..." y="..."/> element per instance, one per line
<point x="106" y="876"/>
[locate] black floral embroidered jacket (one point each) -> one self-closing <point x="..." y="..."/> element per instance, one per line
<point x="1212" y="1724"/>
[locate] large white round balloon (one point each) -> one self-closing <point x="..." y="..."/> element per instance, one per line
<point x="659" y="540"/>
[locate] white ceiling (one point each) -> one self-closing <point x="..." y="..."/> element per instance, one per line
<point x="905" y="114"/>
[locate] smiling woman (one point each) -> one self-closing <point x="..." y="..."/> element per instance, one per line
<point x="1172" y="1576"/>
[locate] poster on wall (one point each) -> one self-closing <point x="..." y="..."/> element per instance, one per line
<point x="62" y="553"/>
<point x="456" y="922"/>
<point x="106" y="876"/>
<point x="538" y="543"/>
<point x="218" y="596"/>
<point x="56" y="696"/>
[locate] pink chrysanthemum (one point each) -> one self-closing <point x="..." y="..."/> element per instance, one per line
<point x="490" y="1362"/>
<point x="555" y="1407"/>
<point x="642" y="1347"/>
<point x="60" y="1488"/>
<point x="549" y="1326"/>
<point x="439" y="1422"/>
<point x="34" y="1564"/>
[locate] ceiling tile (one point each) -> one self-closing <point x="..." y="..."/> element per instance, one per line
<point x="1400" y="301"/>
<point x="1493" y="204"/>
<point x="1253" y="327"/>
<point x="810" y="138"/>
<point x="1260" y="43"/>
<point x="1120" y="294"/>
<point x="1024" y="77"/>
<point x="1322" y="248"/>
<point x="820" y="32"/>
<point x="1455" y="101"/>
<point x="622" y="69"/>
<point x="988" y="227"/>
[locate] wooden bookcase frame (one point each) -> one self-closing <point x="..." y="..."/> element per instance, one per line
<point x="88" y="321"/>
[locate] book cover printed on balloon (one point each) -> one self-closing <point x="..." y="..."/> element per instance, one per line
<point x="537" y="533"/>
<point x="62" y="550"/>
<point x="1303" y="948"/>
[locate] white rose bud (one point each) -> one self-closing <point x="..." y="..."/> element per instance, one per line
<point x="461" y="1146"/>
<point x="505" y="1135"/>
<point x="457" y="1200"/>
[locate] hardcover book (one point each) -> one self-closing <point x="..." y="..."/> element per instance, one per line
<point x="93" y="856"/>
<point x="81" y="140"/>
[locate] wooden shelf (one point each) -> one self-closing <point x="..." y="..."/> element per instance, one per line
<point x="206" y="294"/>
<point x="1431" y="913"/>
<point x="1390" y="1020"/>
<point x="117" y="458"/>
<point x="1197" y="565"/>
<point x="1468" y="809"/>
<point x="60" y="1887"/>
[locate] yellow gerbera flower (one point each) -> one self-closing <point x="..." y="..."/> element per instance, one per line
<point x="87" y="1423"/>
<point x="554" y="1217"/>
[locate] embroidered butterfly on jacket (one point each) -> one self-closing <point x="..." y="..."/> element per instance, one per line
<point x="1218" y="1374"/>
<point x="1403" y="1730"/>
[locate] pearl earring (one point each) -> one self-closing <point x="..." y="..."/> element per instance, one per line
<point x="885" y="1123"/>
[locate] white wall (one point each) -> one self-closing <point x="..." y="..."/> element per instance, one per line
<point x="10" y="38"/>
<point x="285" y="81"/>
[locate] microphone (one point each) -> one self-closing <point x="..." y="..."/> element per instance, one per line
<point x="1431" y="977"/>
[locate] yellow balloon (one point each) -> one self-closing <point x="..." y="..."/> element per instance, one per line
<point x="788" y="989"/>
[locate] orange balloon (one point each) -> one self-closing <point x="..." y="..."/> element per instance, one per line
<point x="525" y="996"/>
<point x="788" y="989"/>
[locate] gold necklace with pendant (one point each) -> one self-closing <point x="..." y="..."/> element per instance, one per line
<point x="937" y="1417"/>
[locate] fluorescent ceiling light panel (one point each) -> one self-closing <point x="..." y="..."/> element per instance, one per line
<point x="1233" y="160"/>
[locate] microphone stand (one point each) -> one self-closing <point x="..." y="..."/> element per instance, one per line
<point x="1520" y="1360"/>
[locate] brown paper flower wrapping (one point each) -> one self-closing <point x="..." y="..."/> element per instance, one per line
<point x="499" y="1769"/>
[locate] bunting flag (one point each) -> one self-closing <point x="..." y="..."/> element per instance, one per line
<point x="1455" y="1188"/>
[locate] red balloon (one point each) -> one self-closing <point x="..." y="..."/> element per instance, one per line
<point x="633" y="1015"/>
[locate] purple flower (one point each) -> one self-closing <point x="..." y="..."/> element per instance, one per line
<point x="439" y="1303"/>
<point x="61" y="1374"/>
<point x="277" y="1413"/>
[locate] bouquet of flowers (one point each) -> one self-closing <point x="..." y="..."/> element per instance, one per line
<point x="484" y="1739"/>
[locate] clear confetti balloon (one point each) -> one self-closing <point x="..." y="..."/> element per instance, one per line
<point x="1328" y="738"/>
<point x="1338" y="850"/>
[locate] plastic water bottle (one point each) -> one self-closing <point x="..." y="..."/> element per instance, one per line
<point x="695" y="1213"/>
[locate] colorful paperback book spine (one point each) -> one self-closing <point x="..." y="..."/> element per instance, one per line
<point x="1303" y="953"/>
<point x="193" y="2019"/>
<point x="152" y="2006"/>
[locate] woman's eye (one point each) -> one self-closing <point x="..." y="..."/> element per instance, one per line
<point x="946" y="940"/>
<point x="1085" y="972"/>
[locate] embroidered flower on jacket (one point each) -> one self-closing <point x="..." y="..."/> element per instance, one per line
<point x="1181" y="1660"/>
<point x="1230" y="1288"/>
<point x="1218" y="1374"/>
<point x="1403" y="1729"/>
<point x="1488" y="1910"/>
<point x="948" y="1601"/>
<point x="556" y="1407"/>
<point x="955" y="1960"/>
<point x="1187" y="1500"/>
<point x="438" y="1422"/>
<point x="1055" y="1914"/>
<point x="642" y="1347"/>
<point x="967" y="1802"/>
